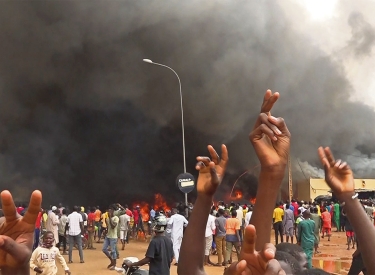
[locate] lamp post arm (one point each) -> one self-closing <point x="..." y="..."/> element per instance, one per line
<point x="182" y="112"/>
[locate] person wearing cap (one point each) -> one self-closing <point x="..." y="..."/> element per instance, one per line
<point x="52" y="223"/>
<point x="111" y="238"/>
<point x="306" y="237"/>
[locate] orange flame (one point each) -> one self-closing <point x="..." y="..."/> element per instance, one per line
<point x="159" y="203"/>
<point x="238" y="195"/>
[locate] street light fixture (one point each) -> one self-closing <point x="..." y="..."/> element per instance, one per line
<point x="186" y="180"/>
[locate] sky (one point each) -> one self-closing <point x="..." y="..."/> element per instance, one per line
<point x="84" y="119"/>
<point x="327" y="23"/>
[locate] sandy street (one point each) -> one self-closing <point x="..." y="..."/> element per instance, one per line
<point x="333" y="258"/>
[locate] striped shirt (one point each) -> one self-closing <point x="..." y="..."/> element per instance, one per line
<point x="74" y="220"/>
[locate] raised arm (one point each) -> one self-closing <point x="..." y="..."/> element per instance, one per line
<point x="339" y="177"/>
<point x="17" y="234"/>
<point x="271" y="141"/>
<point x="211" y="171"/>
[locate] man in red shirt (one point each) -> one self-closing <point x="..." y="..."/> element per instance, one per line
<point x="37" y="229"/>
<point x="128" y="211"/>
<point x="326" y="221"/>
<point x="91" y="228"/>
<point x="136" y="221"/>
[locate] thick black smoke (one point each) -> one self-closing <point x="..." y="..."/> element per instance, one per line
<point x="86" y="121"/>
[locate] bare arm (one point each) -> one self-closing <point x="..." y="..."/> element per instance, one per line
<point x="112" y="223"/>
<point x="270" y="138"/>
<point x="144" y="261"/>
<point x="268" y="189"/>
<point x="193" y="243"/>
<point x="339" y="177"/>
<point x="364" y="230"/>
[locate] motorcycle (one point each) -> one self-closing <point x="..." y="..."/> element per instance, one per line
<point x="134" y="270"/>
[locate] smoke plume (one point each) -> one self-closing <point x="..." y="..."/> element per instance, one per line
<point x="87" y="122"/>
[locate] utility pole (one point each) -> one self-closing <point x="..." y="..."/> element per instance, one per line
<point x="290" y="179"/>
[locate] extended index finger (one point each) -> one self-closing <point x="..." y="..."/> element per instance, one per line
<point x="329" y="155"/>
<point x="248" y="246"/>
<point x="324" y="158"/>
<point x="269" y="100"/>
<point x="9" y="209"/>
<point x="34" y="207"/>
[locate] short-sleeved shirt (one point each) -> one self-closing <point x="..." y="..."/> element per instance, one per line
<point x="220" y="226"/>
<point x="104" y="217"/>
<point x="98" y="214"/>
<point x="160" y="252"/>
<point x="129" y="212"/>
<point x="278" y="214"/>
<point x="91" y="217"/>
<point x="112" y="232"/>
<point x="74" y="220"/>
<point x="38" y="220"/>
<point x="326" y="218"/>
<point x="124" y="219"/>
<point x="210" y="226"/>
<point x="232" y="225"/>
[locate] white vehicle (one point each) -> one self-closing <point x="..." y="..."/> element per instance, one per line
<point x="134" y="270"/>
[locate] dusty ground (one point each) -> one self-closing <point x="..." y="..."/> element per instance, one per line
<point x="333" y="258"/>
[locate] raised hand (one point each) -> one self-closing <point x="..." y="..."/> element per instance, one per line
<point x="17" y="234"/>
<point x="211" y="170"/>
<point x="270" y="136"/>
<point x="271" y="141"/>
<point x="254" y="262"/>
<point x="338" y="174"/>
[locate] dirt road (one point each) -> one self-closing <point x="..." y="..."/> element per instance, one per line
<point x="333" y="258"/>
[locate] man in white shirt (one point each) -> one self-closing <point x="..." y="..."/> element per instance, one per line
<point x="248" y="216"/>
<point x="210" y="227"/>
<point x="74" y="225"/>
<point x="177" y="223"/>
<point x="52" y="224"/>
<point x="240" y="218"/>
<point x="124" y="226"/>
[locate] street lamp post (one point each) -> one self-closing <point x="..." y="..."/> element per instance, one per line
<point x="182" y="116"/>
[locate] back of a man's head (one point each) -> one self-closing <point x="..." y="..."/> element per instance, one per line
<point x="234" y="213"/>
<point x="288" y="263"/>
<point x="295" y="250"/>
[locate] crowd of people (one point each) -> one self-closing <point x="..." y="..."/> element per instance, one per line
<point x="189" y="242"/>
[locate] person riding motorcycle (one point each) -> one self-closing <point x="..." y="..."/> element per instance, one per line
<point x="159" y="254"/>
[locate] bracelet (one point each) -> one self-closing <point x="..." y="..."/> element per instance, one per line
<point x="355" y="196"/>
